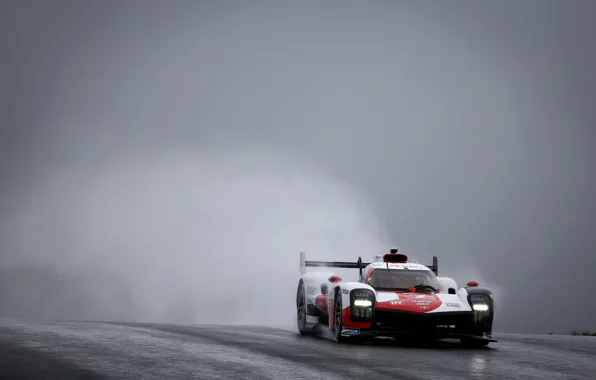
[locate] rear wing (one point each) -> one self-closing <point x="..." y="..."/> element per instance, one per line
<point x="350" y="264"/>
<point x="330" y="264"/>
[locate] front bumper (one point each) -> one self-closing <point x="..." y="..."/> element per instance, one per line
<point x="395" y="323"/>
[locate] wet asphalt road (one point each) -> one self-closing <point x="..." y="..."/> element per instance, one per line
<point x="72" y="350"/>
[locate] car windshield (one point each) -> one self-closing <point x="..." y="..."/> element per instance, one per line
<point x="402" y="279"/>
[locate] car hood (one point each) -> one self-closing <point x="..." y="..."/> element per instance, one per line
<point x="420" y="302"/>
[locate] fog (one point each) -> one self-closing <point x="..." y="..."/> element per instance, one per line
<point x="211" y="237"/>
<point x="168" y="161"/>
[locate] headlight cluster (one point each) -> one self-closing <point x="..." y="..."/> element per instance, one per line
<point x="481" y="305"/>
<point x="362" y="301"/>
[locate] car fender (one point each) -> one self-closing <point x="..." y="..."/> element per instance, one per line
<point x="344" y="289"/>
<point x="463" y="294"/>
<point x="446" y="283"/>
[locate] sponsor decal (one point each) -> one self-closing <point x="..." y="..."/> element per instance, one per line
<point x="396" y="302"/>
<point x="487" y="335"/>
<point x="349" y="330"/>
<point x="311" y="290"/>
<point x="422" y="301"/>
<point x="345" y="291"/>
<point x="420" y="296"/>
<point x="423" y="307"/>
<point x="453" y="304"/>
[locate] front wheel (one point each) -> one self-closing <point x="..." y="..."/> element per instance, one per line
<point x="301" y="309"/>
<point x="337" y="314"/>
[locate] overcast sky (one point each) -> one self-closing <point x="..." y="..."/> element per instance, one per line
<point x="183" y="144"/>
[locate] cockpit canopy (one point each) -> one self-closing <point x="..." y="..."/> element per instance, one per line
<point x="401" y="279"/>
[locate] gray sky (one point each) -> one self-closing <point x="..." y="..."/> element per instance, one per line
<point x="181" y="145"/>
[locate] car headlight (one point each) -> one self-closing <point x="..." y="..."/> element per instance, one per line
<point x="480" y="307"/>
<point x="481" y="304"/>
<point x="362" y="301"/>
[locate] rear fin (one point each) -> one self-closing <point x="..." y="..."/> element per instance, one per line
<point x="331" y="264"/>
<point x="435" y="266"/>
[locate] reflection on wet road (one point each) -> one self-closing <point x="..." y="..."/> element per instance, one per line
<point x="82" y="350"/>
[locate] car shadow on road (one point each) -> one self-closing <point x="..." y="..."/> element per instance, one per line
<point x="408" y="343"/>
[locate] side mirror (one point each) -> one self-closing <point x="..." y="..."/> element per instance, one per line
<point x="472" y="283"/>
<point x="324" y="288"/>
<point x="334" y="278"/>
<point x="451" y="291"/>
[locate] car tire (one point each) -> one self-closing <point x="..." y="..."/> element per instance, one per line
<point x="338" y="318"/>
<point x="301" y="309"/>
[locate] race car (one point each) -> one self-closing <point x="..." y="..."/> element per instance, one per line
<point x="393" y="297"/>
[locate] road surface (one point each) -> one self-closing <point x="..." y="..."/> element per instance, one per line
<point x="85" y="350"/>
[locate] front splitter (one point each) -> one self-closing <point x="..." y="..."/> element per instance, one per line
<point x="395" y="334"/>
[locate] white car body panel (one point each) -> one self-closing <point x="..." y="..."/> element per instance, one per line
<point x="389" y="306"/>
<point x="449" y="302"/>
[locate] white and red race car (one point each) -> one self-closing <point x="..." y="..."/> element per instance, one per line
<point x="393" y="297"/>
